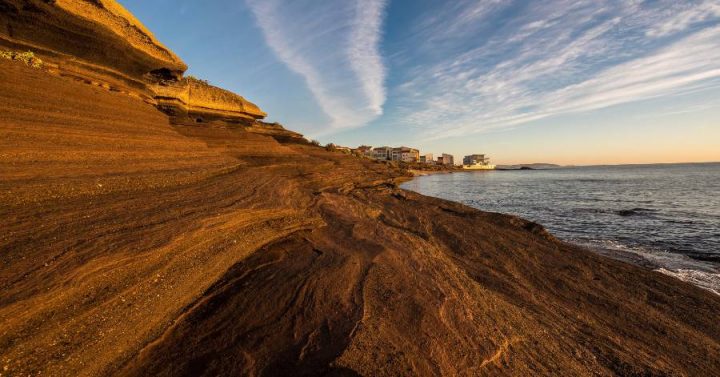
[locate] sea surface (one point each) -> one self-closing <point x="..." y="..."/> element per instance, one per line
<point x="662" y="216"/>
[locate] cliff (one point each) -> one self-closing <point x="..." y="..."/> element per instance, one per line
<point x="133" y="245"/>
<point x="101" y="43"/>
<point x="194" y="100"/>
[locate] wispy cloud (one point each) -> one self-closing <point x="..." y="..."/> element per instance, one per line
<point x="334" y="46"/>
<point x="686" y="16"/>
<point x="550" y="58"/>
<point x="681" y="110"/>
<point x="464" y="14"/>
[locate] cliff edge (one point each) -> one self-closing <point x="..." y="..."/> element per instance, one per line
<point x="94" y="37"/>
<point x="100" y="42"/>
<point x="191" y="99"/>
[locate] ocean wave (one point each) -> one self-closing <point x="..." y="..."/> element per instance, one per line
<point x="703" y="274"/>
<point x="705" y="280"/>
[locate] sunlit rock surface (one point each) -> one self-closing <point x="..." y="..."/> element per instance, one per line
<point x="101" y="43"/>
<point x="136" y="243"/>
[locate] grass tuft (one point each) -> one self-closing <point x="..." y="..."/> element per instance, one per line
<point x="191" y="78"/>
<point x="26" y="57"/>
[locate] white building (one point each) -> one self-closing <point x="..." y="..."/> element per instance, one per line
<point x="405" y="154"/>
<point x="446" y="159"/>
<point x="382" y="153"/>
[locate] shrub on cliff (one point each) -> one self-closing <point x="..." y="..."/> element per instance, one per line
<point x="190" y="78"/>
<point x="26" y="57"/>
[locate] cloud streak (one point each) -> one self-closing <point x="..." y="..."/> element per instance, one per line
<point x="685" y="17"/>
<point x="559" y="57"/>
<point x="334" y="46"/>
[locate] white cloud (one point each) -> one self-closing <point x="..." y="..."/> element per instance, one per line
<point x="334" y="46"/>
<point x="560" y="57"/>
<point x="365" y="60"/>
<point x="684" y="18"/>
<point x="466" y="16"/>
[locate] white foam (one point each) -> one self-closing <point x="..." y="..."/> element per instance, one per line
<point x="706" y="280"/>
<point x="703" y="274"/>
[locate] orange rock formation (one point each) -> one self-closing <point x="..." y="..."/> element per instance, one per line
<point x="100" y="42"/>
<point x="136" y="246"/>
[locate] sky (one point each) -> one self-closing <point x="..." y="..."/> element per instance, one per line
<point x="567" y="82"/>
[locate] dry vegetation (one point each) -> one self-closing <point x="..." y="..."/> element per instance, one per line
<point x="25" y="57"/>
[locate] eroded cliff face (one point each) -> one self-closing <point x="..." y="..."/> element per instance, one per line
<point x="95" y="39"/>
<point x="100" y="42"/>
<point x="196" y="100"/>
<point x="133" y="245"/>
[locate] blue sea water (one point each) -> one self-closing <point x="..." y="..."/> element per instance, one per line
<point x="662" y="216"/>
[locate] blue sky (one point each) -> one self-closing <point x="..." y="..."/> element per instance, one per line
<point x="525" y="81"/>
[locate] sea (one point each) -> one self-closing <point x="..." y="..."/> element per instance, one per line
<point x="661" y="216"/>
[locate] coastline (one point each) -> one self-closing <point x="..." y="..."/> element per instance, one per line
<point x="705" y="275"/>
<point x="282" y="217"/>
<point x="420" y="173"/>
<point x="695" y="267"/>
<point x="145" y="243"/>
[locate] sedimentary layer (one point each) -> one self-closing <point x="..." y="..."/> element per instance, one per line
<point x="134" y="243"/>
<point x="100" y="42"/>
<point x="132" y="246"/>
<point x="194" y="100"/>
<point x="87" y="36"/>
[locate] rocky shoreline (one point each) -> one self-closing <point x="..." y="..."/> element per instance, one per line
<point x="141" y="243"/>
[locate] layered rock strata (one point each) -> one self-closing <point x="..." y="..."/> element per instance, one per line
<point x="199" y="101"/>
<point x="134" y="246"/>
<point x="100" y="42"/>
